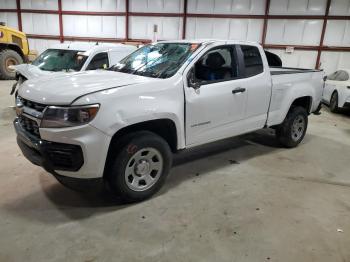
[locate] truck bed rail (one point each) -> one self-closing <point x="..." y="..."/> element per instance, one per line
<point x="291" y="70"/>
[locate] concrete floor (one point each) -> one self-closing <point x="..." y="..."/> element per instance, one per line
<point x="242" y="199"/>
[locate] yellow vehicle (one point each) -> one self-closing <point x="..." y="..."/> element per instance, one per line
<point x="14" y="50"/>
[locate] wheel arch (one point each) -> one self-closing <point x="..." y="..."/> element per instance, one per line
<point x="13" y="47"/>
<point x="304" y="101"/>
<point x="335" y="91"/>
<point x="165" y="128"/>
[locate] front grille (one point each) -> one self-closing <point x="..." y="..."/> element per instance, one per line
<point x="28" y="112"/>
<point x="33" y="105"/>
<point x="29" y="125"/>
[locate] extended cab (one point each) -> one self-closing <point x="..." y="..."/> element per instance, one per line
<point x="122" y="125"/>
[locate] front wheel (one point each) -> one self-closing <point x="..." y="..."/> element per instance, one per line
<point x="292" y="131"/>
<point x="140" y="167"/>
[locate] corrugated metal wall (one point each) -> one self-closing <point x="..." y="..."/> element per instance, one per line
<point x="298" y="23"/>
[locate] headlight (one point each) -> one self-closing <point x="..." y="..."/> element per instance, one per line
<point x="56" y="116"/>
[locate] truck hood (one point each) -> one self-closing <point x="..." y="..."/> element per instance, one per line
<point x="64" y="89"/>
<point x="31" y="71"/>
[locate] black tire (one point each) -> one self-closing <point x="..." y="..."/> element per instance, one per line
<point x="8" y="56"/>
<point x="333" y="104"/>
<point x="132" y="145"/>
<point x="290" y="134"/>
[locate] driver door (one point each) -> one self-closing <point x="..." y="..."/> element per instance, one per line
<point x="215" y="101"/>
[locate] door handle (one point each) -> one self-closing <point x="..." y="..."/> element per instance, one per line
<point x="238" y="90"/>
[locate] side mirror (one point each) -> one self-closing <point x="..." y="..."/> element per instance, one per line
<point x="191" y="80"/>
<point x="325" y="78"/>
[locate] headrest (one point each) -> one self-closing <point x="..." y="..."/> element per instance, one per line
<point x="215" y="60"/>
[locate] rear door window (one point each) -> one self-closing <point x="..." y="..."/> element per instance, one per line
<point x="253" y="64"/>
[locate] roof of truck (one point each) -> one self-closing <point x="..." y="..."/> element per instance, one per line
<point x="202" y="41"/>
<point x="92" y="46"/>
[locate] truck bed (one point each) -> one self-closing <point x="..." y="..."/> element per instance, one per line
<point x="289" y="82"/>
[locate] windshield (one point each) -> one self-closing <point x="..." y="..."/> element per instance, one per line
<point x="60" y="60"/>
<point x="160" y="60"/>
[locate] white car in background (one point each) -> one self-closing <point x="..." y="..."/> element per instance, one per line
<point x="336" y="93"/>
<point x="73" y="57"/>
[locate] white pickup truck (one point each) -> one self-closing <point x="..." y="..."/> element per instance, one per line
<point x="123" y="125"/>
<point x="64" y="58"/>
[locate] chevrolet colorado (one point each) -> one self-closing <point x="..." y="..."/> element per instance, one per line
<point x="122" y="125"/>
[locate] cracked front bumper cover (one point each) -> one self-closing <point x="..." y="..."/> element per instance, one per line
<point x="53" y="156"/>
<point x="50" y="155"/>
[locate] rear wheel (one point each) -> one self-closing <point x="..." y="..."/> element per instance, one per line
<point x="292" y="131"/>
<point x="8" y="58"/>
<point x="333" y="105"/>
<point x="140" y="168"/>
